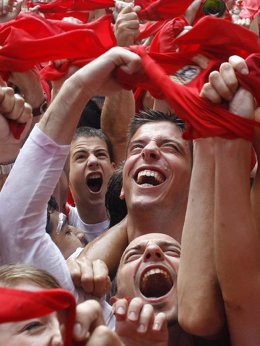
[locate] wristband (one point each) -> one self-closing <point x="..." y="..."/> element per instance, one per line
<point x="41" y="109"/>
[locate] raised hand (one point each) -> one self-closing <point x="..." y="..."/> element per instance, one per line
<point x="138" y="324"/>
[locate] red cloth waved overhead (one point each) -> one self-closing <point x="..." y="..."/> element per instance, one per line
<point x="31" y="39"/>
<point x="20" y="305"/>
<point x="203" y="118"/>
<point x="150" y="9"/>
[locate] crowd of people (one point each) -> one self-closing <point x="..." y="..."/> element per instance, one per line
<point x="129" y="192"/>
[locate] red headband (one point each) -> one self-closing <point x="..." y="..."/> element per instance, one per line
<point x="19" y="305"/>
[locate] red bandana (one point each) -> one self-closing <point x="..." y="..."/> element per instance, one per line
<point x="19" y="305"/>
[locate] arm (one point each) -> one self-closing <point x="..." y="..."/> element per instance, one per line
<point x="27" y="210"/>
<point x="108" y="247"/>
<point x="197" y="280"/>
<point x="236" y="240"/>
<point x="120" y="108"/>
<point x="115" y="117"/>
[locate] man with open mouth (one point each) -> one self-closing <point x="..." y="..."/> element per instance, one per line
<point x="91" y="165"/>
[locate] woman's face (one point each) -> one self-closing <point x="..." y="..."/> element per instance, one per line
<point x="41" y="331"/>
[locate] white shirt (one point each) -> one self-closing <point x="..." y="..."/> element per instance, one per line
<point x="23" y="211"/>
<point x="91" y="230"/>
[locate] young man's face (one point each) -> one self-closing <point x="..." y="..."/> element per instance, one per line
<point x="148" y="269"/>
<point x="90" y="170"/>
<point x="157" y="170"/>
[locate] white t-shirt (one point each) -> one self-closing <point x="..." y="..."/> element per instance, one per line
<point x="91" y="230"/>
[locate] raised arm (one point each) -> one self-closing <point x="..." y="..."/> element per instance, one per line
<point x="200" y="307"/>
<point x="236" y="239"/>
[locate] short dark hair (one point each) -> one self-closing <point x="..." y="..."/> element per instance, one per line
<point x="150" y="116"/>
<point x="86" y="131"/>
<point x="52" y="206"/>
<point x="116" y="207"/>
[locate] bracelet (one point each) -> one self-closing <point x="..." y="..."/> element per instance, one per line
<point x="6" y="168"/>
<point x="41" y="109"/>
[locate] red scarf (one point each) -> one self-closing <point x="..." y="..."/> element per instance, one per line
<point x="31" y="39"/>
<point x="150" y="9"/>
<point x="19" y="305"/>
<point x="203" y="118"/>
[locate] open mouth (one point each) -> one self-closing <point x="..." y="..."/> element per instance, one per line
<point x="155" y="283"/>
<point x="149" y="177"/>
<point x="94" y="182"/>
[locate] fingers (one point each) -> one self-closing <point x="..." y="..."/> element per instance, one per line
<point x="13" y="106"/>
<point x="104" y="336"/>
<point x="139" y="313"/>
<point x="88" y="316"/>
<point x="91" y="276"/>
<point x="238" y="64"/>
<point x="223" y="84"/>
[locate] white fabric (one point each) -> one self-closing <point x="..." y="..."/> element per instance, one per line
<point x="91" y="230"/>
<point x="23" y="211"/>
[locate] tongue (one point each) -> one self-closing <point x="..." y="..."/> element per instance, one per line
<point x="94" y="184"/>
<point x="155" y="286"/>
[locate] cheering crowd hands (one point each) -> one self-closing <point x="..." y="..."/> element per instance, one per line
<point x="223" y="85"/>
<point x="13" y="107"/>
<point x="92" y="276"/>
<point x="137" y="324"/>
<point x="89" y="327"/>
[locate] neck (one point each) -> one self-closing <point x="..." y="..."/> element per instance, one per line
<point x="140" y="222"/>
<point x="91" y="214"/>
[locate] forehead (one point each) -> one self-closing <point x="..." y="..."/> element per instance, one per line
<point x="88" y="143"/>
<point x="157" y="129"/>
<point x="152" y="238"/>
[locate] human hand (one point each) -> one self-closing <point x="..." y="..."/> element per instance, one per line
<point x="138" y="324"/>
<point x="91" y="276"/>
<point x="101" y="72"/>
<point x="224" y="85"/>
<point x="127" y="26"/>
<point x="29" y="85"/>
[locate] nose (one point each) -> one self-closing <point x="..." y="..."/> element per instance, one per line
<point x="151" y="152"/>
<point x="153" y="253"/>
<point x="92" y="161"/>
<point x="57" y="338"/>
<point x="80" y="235"/>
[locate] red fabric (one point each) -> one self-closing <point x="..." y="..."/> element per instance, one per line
<point x="202" y="117"/>
<point x="161" y="9"/>
<point x="31" y="39"/>
<point x="149" y="29"/>
<point x="163" y="40"/>
<point x="19" y="305"/>
<point x="75" y="5"/>
<point x="150" y="9"/>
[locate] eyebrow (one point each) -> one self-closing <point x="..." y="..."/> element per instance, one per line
<point x="162" y="244"/>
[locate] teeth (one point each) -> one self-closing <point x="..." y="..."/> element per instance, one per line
<point x="94" y="176"/>
<point x="155" y="271"/>
<point x="148" y="173"/>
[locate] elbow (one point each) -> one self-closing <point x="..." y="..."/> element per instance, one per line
<point x="204" y="325"/>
